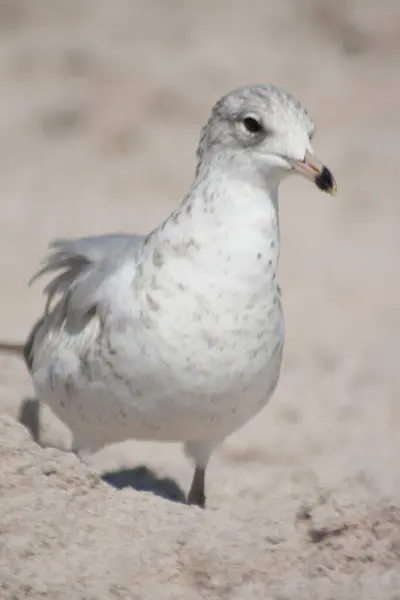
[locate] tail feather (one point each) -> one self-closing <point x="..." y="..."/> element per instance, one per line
<point x="12" y="348"/>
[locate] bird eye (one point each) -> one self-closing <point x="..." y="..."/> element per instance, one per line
<point x="252" y="124"/>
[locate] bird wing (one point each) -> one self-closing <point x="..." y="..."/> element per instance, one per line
<point x="80" y="267"/>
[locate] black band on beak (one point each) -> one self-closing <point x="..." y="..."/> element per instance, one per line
<point x="325" y="180"/>
<point x="312" y="169"/>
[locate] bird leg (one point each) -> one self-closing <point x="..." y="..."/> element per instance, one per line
<point x="197" y="494"/>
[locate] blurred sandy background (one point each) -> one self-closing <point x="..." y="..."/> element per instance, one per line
<point x="101" y="103"/>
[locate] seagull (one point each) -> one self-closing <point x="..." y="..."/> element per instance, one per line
<point x="177" y="336"/>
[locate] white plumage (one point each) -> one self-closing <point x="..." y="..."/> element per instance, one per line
<point x="178" y="336"/>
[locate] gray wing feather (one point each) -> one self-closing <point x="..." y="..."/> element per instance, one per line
<point x="84" y="264"/>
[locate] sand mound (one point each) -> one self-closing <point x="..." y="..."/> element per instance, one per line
<point x="66" y="534"/>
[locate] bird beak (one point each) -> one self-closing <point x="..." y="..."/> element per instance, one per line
<point x="312" y="169"/>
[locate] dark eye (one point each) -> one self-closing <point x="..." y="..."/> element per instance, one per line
<point x="252" y="124"/>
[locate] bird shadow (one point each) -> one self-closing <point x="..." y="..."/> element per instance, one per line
<point x="143" y="479"/>
<point x="29" y="417"/>
<point x="140" y="478"/>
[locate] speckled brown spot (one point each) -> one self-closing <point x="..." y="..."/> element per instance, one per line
<point x="210" y="340"/>
<point x="253" y="354"/>
<point x="153" y="305"/>
<point x="69" y="386"/>
<point x="158" y="259"/>
<point x="191" y="243"/>
<point x="146" y="321"/>
<point x="178" y="248"/>
<point x="153" y="283"/>
<point x="111" y="350"/>
<point x="85" y="365"/>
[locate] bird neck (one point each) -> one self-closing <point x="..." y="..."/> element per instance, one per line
<point x="234" y="201"/>
<point x="220" y="245"/>
<point x="227" y="225"/>
<point x="240" y="169"/>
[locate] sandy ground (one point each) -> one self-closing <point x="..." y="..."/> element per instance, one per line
<point x="100" y="108"/>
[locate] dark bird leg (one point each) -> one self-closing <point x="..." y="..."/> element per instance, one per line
<point x="197" y="489"/>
